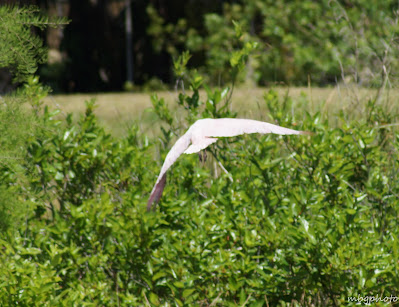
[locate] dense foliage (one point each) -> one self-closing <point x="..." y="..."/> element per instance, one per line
<point x="16" y="35"/>
<point x="308" y="220"/>
<point x="300" y="41"/>
<point x="268" y="220"/>
<point x="304" y="41"/>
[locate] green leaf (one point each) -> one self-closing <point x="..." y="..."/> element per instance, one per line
<point x="179" y="284"/>
<point x="188" y="292"/>
<point x="158" y="275"/>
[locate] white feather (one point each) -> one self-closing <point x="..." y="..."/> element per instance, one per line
<point x="205" y="132"/>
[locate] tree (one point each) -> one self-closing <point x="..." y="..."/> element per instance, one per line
<point x="20" y="50"/>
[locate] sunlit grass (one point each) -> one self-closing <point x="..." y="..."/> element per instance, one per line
<point x="118" y="111"/>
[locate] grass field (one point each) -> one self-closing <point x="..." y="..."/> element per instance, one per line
<point x="118" y="111"/>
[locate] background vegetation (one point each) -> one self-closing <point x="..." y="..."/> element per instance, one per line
<point x="299" y="42"/>
<point x="291" y="221"/>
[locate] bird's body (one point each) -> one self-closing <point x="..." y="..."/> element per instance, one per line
<point x="203" y="133"/>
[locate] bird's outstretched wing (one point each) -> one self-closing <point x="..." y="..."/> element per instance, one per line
<point x="156" y="191"/>
<point x="228" y="127"/>
<point x="177" y="149"/>
<point x="203" y="133"/>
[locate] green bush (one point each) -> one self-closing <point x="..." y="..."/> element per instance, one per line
<point x="304" y="220"/>
<point x="18" y="127"/>
<point x="299" y="41"/>
<point x="269" y="220"/>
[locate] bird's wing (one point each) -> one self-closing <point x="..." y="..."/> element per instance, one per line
<point x="177" y="149"/>
<point x="156" y="192"/>
<point x="199" y="144"/>
<point x="228" y="127"/>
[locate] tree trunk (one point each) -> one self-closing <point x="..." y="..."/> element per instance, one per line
<point x="129" y="41"/>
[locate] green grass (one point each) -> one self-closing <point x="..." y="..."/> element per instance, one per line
<point x="118" y="111"/>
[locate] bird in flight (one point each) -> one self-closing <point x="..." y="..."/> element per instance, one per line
<point x="203" y="133"/>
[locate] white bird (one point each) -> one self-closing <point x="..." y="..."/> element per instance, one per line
<point x="203" y="133"/>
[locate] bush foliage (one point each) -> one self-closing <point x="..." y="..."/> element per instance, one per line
<point x="300" y="41"/>
<point x="297" y="220"/>
<point x="269" y="220"/>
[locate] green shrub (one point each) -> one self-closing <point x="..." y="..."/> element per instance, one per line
<point x="269" y="220"/>
<point x="18" y="127"/>
<point x="304" y="220"/>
